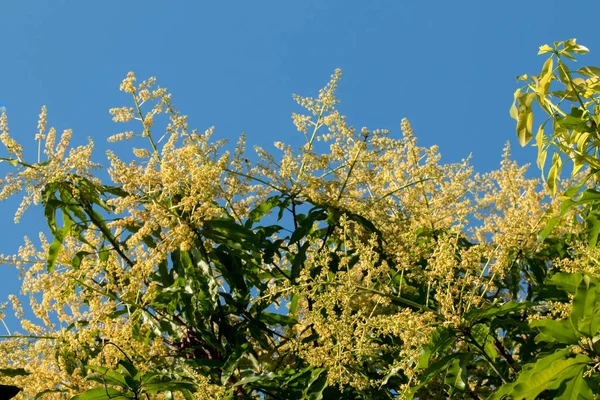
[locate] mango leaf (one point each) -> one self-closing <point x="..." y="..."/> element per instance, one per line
<point x="204" y="362"/>
<point x="103" y="393"/>
<point x="11" y="161"/>
<point x="157" y="383"/>
<point x="456" y="376"/>
<point x="554" y="173"/>
<point x="572" y="45"/>
<point x="583" y="304"/>
<point x="294" y="304"/>
<point x="548" y="373"/>
<point x="542" y="151"/>
<point x="592" y="220"/>
<point x="491" y="312"/>
<point x="131" y="375"/>
<point x="270" y="318"/>
<point x="441" y="339"/>
<point x="13" y="372"/>
<point x="551" y="330"/>
<point x="566" y="281"/>
<point x="76" y="260"/>
<point x="594" y="320"/>
<point x="545" y="49"/>
<point x="514" y="113"/>
<point x="8" y="392"/>
<point x="547" y="67"/>
<point x="481" y="333"/>
<point x="589" y="71"/>
<point x="59" y="237"/>
<point x="105" y="375"/>
<point x="298" y="260"/>
<point x="576" y="389"/>
<point x="232" y="362"/>
<point x="43" y="393"/>
<point x="525" y="118"/>
<point x="262" y="209"/>
<point x="316" y="384"/>
<point x="434" y="369"/>
<point x="592" y="224"/>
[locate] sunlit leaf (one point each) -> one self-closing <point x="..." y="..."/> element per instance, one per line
<point x="545" y="49"/>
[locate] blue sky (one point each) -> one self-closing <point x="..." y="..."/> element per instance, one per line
<point x="449" y="67"/>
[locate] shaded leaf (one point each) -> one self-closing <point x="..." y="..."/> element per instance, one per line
<point x="13" y="372"/>
<point x="8" y="392"/>
<point x="233" y="361"/>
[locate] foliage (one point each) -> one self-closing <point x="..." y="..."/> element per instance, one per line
<point x="356" y="266"/>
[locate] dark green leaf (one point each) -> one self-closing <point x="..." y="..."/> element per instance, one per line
<point x="272" y="319"/>
<point x="298" y="261"/>
<point x="233" y="361"/>
<point x="13" y="372"/>
<point x="8" y="392"/>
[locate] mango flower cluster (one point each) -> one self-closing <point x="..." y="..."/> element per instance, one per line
<point x="437" y="232"/>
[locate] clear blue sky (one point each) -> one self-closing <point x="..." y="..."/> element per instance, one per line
<point x="448" y="66"/>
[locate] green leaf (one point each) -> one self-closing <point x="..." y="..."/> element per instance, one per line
<point x="569" y="282"/>
<point x="592" y="72"/>
<point x="435" y="368"/>
<point x="45" y="392"/>
<point x="59" y="237"/>
<point x="493" y="311"/>
<point x="11" y="161"/>
<point x="270" y="376"/>
<point x="204" y="362"/>
<point x="542" y="151"/>
<point x="8" y="392"/>
<point x="554" y="173"/>
<point x="156" y="383"/>
<point x="105" y="375"/>
<point x="262" y="209"/>
<point x="545" y="49"/>
<point x="572" y="45"/>
<point x="441" y="339"/>
<point x="547" y="67"/>
<point x="13" y="372"/>
<point x="583" y="305"/>
<point x="561" y="331"/>
<point x="270" y="318"/>
<point x="76" y="260"/>
<point x="525" y="118"/>
<point x="576" y="389"/>
<point x="298" y="260"/>
<point x="316" y="384"/>
<point x="294" y="305"/>
<point x="456" y="376"/>
<point x="548" y="373"/>
<point x="514" y="113"/>
<point x="481" y="334"/>
<point x="232" y="362"/>
<point x="102" y="393"/>
<point x="592" y="224"/>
